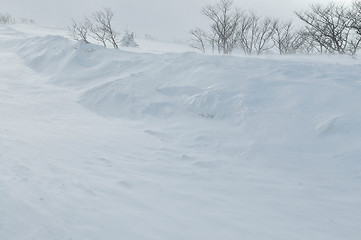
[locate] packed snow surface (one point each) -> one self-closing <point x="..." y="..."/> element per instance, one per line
<point x="147" y="143"/>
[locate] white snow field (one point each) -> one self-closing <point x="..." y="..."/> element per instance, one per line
<point x="104" y="144"/>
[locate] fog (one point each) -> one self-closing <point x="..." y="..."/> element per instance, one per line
<point x="163" y="19"/>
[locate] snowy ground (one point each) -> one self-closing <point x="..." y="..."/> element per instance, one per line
<point x="99" y="144"/>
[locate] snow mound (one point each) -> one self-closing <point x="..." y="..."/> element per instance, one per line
<point x="124" y="84"/>
<point x="98" y="143"/>
<point x="327" y="126"/>
<point x="133" y="85"/>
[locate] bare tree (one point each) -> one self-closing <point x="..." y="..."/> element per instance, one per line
<point x="263" y="36"/>
<point x="355" y="19"/>
<point x="97" y="32"/>
<point x="248" y="29"/>
<point x="6" y="18"/>
<point x="103" y="19"/>
<point x="256" y="34"/>
<point x="79" y="30"/>
<point x="286" y="40"/>
<point x="199" y="39"/>
<point x="213" y="40"/>
<point x="98" y="26"/>
<point x="225" y="21"/>
<point x="329" y="27"/>
<point x="355" y="16"/>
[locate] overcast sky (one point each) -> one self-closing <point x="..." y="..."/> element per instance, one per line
<point x="164" y="19"/>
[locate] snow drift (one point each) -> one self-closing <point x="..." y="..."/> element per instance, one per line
<point x="99" y="143"/>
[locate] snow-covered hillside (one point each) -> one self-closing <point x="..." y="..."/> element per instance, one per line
<point x="103" y="144"/>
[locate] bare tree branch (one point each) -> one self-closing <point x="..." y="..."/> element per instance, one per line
<point x="263" y="36"/>
<point x="285" y="39"/>
<point x="225" y="21"/>
<point x="103" y="19"/>
<point x="79" y="30"/>
<point x="330" y="27"/>
<point x="97" y="32"/>
<point x="199" y="39"/>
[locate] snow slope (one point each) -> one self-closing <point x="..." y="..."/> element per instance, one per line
<point x="100" y="144"/>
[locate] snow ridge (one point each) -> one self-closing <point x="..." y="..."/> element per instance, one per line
<point x="100" y="144"/>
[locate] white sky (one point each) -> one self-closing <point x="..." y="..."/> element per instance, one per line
<point x="164" y="19"/>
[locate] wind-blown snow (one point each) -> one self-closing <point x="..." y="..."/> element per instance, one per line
<point x="101" y="144"/>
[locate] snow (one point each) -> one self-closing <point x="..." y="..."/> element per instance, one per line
<point x="164" y="143"/>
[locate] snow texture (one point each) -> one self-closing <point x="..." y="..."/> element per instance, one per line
<point x="160" y="143"/>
